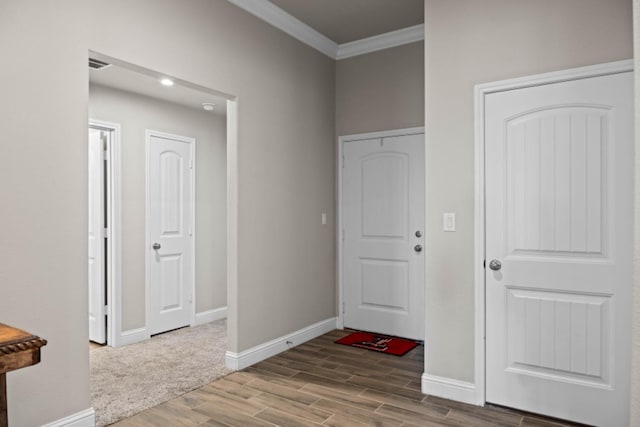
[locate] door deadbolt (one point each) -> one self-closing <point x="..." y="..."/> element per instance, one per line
<point x="417" y="248"/>
<point x="156" y="246"/>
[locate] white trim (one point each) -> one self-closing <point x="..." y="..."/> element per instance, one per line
<point x="210" y="316"/>
<point x="589" y="71"/>
<point x="448" y="388"/>
<point x="147" y="208"/>
<point x="193" y="231"/>
<point x="481" y="91"/>
<point x="114" y="252"/>
<point x="232" y="224"/>
<point x="133" y="336"/>
<point x="381" y="41"/>
<point x="297" y="29"/>
<point x="383" y="134"/>
<point x="266" y="350"/>
<point x="86" y="418"/>
<point x="339" y="243"/>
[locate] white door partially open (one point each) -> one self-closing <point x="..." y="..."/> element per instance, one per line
<point x="97" y="216"/>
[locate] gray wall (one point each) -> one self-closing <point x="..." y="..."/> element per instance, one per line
<point x="286" y="171"/>
<point x="381" y="90"/>
<point x="136" y="114"/>
<point x="635" y="343"/>
<point x="469" y="42"/>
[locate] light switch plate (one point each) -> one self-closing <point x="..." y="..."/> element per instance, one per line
<point x="449" y="221"/>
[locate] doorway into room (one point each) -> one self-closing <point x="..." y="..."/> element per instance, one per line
<point x="165" y="181"/>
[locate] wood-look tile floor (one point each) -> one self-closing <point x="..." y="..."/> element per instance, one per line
<point x="322" y="383"/>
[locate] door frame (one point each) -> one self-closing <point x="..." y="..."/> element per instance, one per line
<point x="339" y="229"/>
<point x="147" y="209"/>
<point x="113" y="252"/>
<point x="480" y="92"/>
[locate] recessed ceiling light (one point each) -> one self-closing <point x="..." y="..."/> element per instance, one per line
<point x="166" y="82"/>
<point x="208" y="106"/>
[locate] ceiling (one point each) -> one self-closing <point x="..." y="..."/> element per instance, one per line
<point x="345" y="21"/>
<point x="119" y="77"/>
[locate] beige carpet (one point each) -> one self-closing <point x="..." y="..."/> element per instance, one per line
<point x="130" y="379"/>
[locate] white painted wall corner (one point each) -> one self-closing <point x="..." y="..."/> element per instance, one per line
<point x="86" y="418"/>
<point x="263" y="351"/>
<point x="208" y="316"/>
<point x="451" y="389"/>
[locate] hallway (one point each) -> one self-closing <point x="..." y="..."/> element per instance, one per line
<point x="322" y="383"/>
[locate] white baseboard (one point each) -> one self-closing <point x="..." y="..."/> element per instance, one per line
<point x="133" y="336"/>
<point x="264" y="351"/>
<point x="448" y="388"/>
<point x="210" y="315"/>
<point x="86" y="418"/>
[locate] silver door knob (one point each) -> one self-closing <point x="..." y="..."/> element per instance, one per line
<point x="156" y="246"/>
<point x="495" y="265"/>
<point x="417" y="248"/>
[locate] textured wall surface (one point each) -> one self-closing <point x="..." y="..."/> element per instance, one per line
<point x="286" y="131"/>
<point x="381" y="90"/>
<point x="468" y="42"/>
<point x="635" y="341"/>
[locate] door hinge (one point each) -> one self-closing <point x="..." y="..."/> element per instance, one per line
<point x="343" y="309"/>
<point x="106" y="310"/>
<point x="105" y="233"/>
<point x="190" y="164"/>
<point x="105" y="155"/>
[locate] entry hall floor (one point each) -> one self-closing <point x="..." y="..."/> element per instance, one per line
<point x="322" y="383"/>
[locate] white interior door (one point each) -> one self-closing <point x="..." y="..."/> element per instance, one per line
<point x="383" y="220"/>
<point x="559" y="195"/>
<point x="96" y="279"/>
<point x="170" y="203"/>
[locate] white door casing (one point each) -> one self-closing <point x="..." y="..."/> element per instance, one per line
<point x="559" y="194"/>
<point x="96" y="279"/>
<point x="170" y="225"/>
<point x="382" y="208"/>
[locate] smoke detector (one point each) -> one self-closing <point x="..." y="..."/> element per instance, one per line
<point x="208" y="106"/>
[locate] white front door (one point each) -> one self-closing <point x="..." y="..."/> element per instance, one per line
<point x="559" y="204"/>
<point x="97" y="215"/>
<point x="170" y="213"/>
<point x="383" y="224"/>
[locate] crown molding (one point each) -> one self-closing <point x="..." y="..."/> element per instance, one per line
<point x="291" y="25"/>
<point x="381" y="41"/>
<point x="297" y="29"/>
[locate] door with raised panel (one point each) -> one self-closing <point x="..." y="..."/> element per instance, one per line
<point x="170" y="214"/>
<point x="559" y="203"/>
<point x="383" y="221"/>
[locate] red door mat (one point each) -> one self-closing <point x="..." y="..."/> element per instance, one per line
<point x="381" y="343"/>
